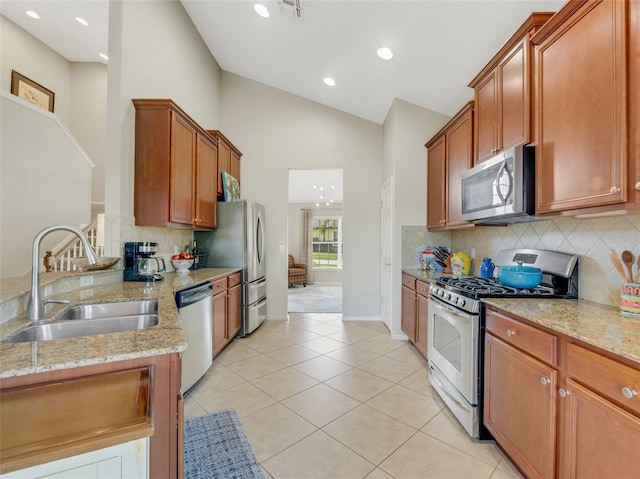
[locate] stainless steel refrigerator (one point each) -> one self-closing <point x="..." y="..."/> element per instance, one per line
<point x="239" y="242"/>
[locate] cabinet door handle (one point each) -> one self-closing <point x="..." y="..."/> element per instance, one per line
<point x="564" y="393"/>
<point x="629" y="393"/>
<point x="544" y="381"/>
<point x="614" y="190"/>
<point x="510" y="332"/>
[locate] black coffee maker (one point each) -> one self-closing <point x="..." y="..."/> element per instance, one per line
<point x="140" y="264"/>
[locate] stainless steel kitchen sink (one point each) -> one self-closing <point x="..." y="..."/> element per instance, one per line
<point x="91" y="319"/>
<point x="110" y="310"/>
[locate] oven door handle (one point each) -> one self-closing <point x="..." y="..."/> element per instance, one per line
<point x="449" y="395"/>
<point x="443" y="307"/>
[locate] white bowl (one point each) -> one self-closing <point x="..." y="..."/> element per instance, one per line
<point x="182" y="265"/>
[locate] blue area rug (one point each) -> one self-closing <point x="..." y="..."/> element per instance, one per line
<point x="215" y="446"/>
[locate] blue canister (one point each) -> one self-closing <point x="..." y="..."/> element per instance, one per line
<point x="486" y="268"/>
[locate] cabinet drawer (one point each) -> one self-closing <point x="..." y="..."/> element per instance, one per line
<point x="233" y="280"/>
<point x="408" y="281"/>
<point x="534" y="341"/>
<point x="604" y="375"/>
<point x="422" y="288"/>
<point x="219" y="286"/>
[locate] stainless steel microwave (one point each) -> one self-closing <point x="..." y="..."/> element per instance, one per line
<point x="501" y="190"/>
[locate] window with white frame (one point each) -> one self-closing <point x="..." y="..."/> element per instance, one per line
<point x="327" y="242"/>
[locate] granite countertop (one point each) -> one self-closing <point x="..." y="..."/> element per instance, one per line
<point x="596" y="324"/>
<point x="166" y="337"/>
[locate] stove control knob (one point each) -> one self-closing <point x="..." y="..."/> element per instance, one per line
<point x="448" y="296"/>
<point x="441" y="293"/>
<point x="462" y="302"/>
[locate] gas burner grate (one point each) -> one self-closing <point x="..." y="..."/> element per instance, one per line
<point x="491" y="287"/>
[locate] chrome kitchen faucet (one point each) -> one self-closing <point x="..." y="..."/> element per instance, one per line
<point x="35" y="307"/>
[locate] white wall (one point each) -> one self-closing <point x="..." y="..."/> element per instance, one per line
<point x="155" y="52"/>
<point x="45" y="180"/>
<point x="277" y="131"/>
<point x="27" y="55"/>
<point x="89" y="119"/>
<point x="407" y="128"/>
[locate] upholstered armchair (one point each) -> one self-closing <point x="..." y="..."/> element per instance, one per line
<point x="297" y="272"/>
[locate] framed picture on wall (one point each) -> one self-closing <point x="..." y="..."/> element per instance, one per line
<point x="31" y="91"/>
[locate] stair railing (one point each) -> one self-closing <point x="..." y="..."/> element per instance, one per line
<point x="61" y="260"/>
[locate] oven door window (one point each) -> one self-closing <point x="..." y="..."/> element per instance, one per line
<point x="447" y="340"/>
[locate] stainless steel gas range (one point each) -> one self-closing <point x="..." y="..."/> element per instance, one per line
<point x="456" y="326"/>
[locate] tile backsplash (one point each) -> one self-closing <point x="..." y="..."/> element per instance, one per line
<point x="590" y="238"/>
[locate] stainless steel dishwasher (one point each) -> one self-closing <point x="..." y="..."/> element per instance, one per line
<point x="196" y="314"/>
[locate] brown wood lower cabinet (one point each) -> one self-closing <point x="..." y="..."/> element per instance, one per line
<point x="227" y="312"/>
<point x="415" y="300"/>
<point x="520" y="407"/>
<point x="59" y="414"/>
<point x="591" y="395"/>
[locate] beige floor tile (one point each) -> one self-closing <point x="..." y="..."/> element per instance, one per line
<point x="381" y="344"/>
<point x="255" y="367"/>
<point x="303" y="322"/>
<point x="267" y="344"/>
<point x="408" y="354"/>
<point x="389" y="369"/>
<point x="378" y="473"/>
<point x="320" y="404"/>
<point x="359" y="384"/>
<point x="419" y="381"/>
<point x="500" y="474"/>
<point x="266" y="474"/>
<point x="221" y="378"/>
<point x="351" y="335"/>
<point x="410" y="407"/>
<point x="292" y="355"/>
<point x="244" y="398"/>
<point x="328" y="317"/>
<point x="284" y="383"/>
<point x="273" y="429"/>
<point x="423" y="456"/>
<point x="370" y="433"/>
<point x="376" y="327"/>
<point x="193" y="409"/>
<point x="317" y="456"/>
<point x="322" y="368"/>
<point x="324" y="328"/>
<point x="506" y="466"/>
<point x="297" y="335"/>
<point x="352" y="355"/>
<point x="446" y="428"/>
<point x="236" y="351"/>
<point x="323" y="345"/>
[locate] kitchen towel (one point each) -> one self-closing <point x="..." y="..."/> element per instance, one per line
<point x="215" y="446"/>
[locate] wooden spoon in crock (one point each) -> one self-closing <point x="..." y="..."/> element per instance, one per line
<point x="628" y="258"/>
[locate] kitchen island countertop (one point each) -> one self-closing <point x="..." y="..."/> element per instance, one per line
<point x="166" y="337"/>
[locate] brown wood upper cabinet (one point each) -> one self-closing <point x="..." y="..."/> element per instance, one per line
<point x="228" y="159"/>
<point x="503" y="91"/>
<point x="450" y="153"/>
<point x="175" y="168"/>
<point x="587" y="134"/>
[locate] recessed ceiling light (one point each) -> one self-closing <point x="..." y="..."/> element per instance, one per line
<point x="329" y="81"/>
<point x="32" y="14"/>
<point x="261" y="10"/>
<point x="385" y="53"/>
<point x="106" y="57"/>
<point x="82" y="21"/>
